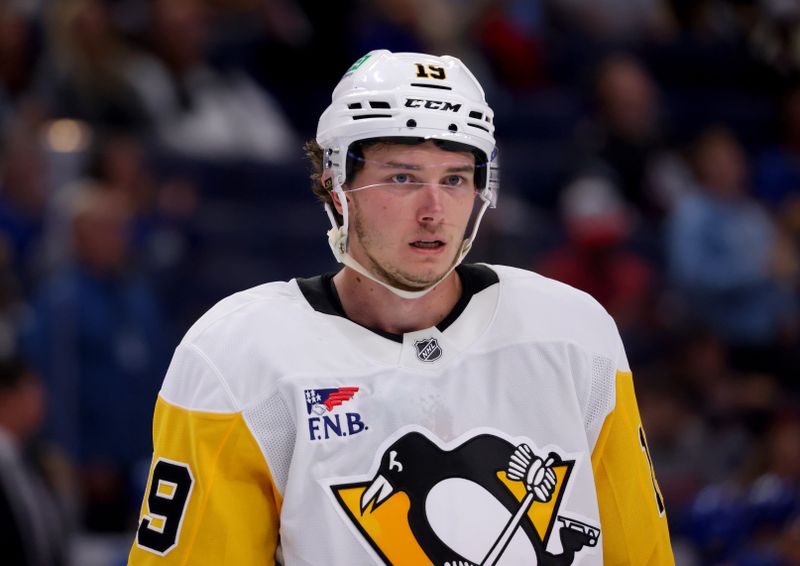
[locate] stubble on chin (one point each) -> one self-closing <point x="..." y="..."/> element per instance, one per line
<point x="402" y="280"/>
<point x="393" y="275"/>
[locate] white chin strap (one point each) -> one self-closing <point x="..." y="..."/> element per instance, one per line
<point x="337" y="239"/>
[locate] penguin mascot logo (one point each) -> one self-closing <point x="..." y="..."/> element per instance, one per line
<point x="483" y="502"/>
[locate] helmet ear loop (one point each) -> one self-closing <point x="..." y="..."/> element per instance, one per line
<point x="477" y="224"/>
<point x="337" y="235"/>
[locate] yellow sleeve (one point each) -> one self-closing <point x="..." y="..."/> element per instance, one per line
<point x="210" y="498"/>
<point x="632" y="514"/>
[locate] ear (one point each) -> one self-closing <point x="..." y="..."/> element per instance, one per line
<point x="327" y="183"/>
<point x="337" y="203"/>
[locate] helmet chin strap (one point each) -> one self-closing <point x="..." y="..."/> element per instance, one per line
<point x="337" y="239"/>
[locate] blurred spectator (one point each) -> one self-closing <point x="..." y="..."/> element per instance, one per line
<point x="23" y="194"/>
<point x="734" y="405"/>
<point x="198" y="110"/>
<point x="390" y="24"/>
<point x="509" y="34"/>
<point x="776" y="35"/>
<point x="754" y="522"/>
<point x="789" y="542"/>
<point x="705" y="423"/>
<point x="119" y="161"/>
<point x="594" y="258"/>
<point x="627" y="136"/>
<point x="98" y="340"/>
<point x="32" y="529"/>
<point x="434" y="26"/>
<point x="721" y="247"/>
<point x="711" y="20"/>
<point x="18" y="59"/>
<point x="89" y="60"/>
<point x="286" y="21"/>
<point x="618" y="21"/>
<point x="162" y="212"/>
<point x="12" y="304"/>
<point x="275" y="40"/>
<point x="778" y="168"/>
<point x="778" y="172"/>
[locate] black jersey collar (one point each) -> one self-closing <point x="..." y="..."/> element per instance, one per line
<point x="321" y="294"/>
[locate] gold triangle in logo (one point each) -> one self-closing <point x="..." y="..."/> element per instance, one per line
<point x="386" y="528"/>
<point x="542" y="514"/>
<point x="387" y="531"/>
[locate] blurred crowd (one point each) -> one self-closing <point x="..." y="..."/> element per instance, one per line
<point x="151" y="163"/>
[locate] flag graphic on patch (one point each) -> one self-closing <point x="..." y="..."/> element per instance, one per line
<point x="320" y="401"/>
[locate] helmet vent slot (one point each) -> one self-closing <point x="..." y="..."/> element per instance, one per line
<point x="365" y="116"/>
<point x="379" y="104"/>
<point x="479" y="126"/>
<point x="354" y="106"/>
<point x="476" y="115"/>
<point x="440" y="87"/>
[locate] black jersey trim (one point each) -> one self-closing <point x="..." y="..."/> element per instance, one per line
<point x="474" y="279"/>
<point x="321" y="294"/>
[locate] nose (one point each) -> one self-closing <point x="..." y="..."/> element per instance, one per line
<point x="430" y="209"/>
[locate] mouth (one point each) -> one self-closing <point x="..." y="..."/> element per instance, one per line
<point x="427" y="244"/>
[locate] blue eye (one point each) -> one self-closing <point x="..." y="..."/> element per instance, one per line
<point x="454" y="180"/>
<point x="401" y="178"/>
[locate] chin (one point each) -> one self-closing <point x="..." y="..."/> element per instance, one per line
<point x="428" y="275"/>
<point x="414" y="276"/>
<point x="416" y="281"/>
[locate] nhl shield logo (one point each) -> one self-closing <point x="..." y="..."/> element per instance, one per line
<point x="428" y="350"/>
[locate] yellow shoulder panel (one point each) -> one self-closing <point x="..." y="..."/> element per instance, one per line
<point x="210" y="498"/>
<point x="632" y="514"/>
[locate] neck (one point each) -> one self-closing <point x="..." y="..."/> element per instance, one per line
<point x="372" y="305"/>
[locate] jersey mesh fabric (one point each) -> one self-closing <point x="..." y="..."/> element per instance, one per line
<point x="601" y="396"/>
<point x="274" y="430"/>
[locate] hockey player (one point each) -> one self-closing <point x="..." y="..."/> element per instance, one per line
<point x="409" y="409"/>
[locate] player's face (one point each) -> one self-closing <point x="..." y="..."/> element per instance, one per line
<point x="409" y="208"/>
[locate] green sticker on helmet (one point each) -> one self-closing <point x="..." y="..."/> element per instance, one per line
<point x="358" y="63"/>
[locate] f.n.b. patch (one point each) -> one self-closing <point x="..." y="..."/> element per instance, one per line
<point x="324" y="420"/>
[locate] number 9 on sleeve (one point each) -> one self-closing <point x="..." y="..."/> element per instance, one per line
<point x="167" y="499"/>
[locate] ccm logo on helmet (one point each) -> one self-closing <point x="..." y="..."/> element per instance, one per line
<point x="432" y="104"/>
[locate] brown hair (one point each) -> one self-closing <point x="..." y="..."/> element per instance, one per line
<point x="314" y="153"/>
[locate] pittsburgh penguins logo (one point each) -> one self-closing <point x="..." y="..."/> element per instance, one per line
<point x="486" y="501"/>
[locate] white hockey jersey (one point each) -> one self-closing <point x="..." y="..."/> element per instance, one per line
<point x="285" y="433"/>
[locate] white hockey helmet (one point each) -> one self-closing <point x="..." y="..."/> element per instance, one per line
<point x="406" y="95"/>
<point x="416" y="95"/>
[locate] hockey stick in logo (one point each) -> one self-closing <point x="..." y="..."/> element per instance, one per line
<point x="540" y="481"/>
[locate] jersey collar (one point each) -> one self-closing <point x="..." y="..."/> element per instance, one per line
<point x="321" y="294"/>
